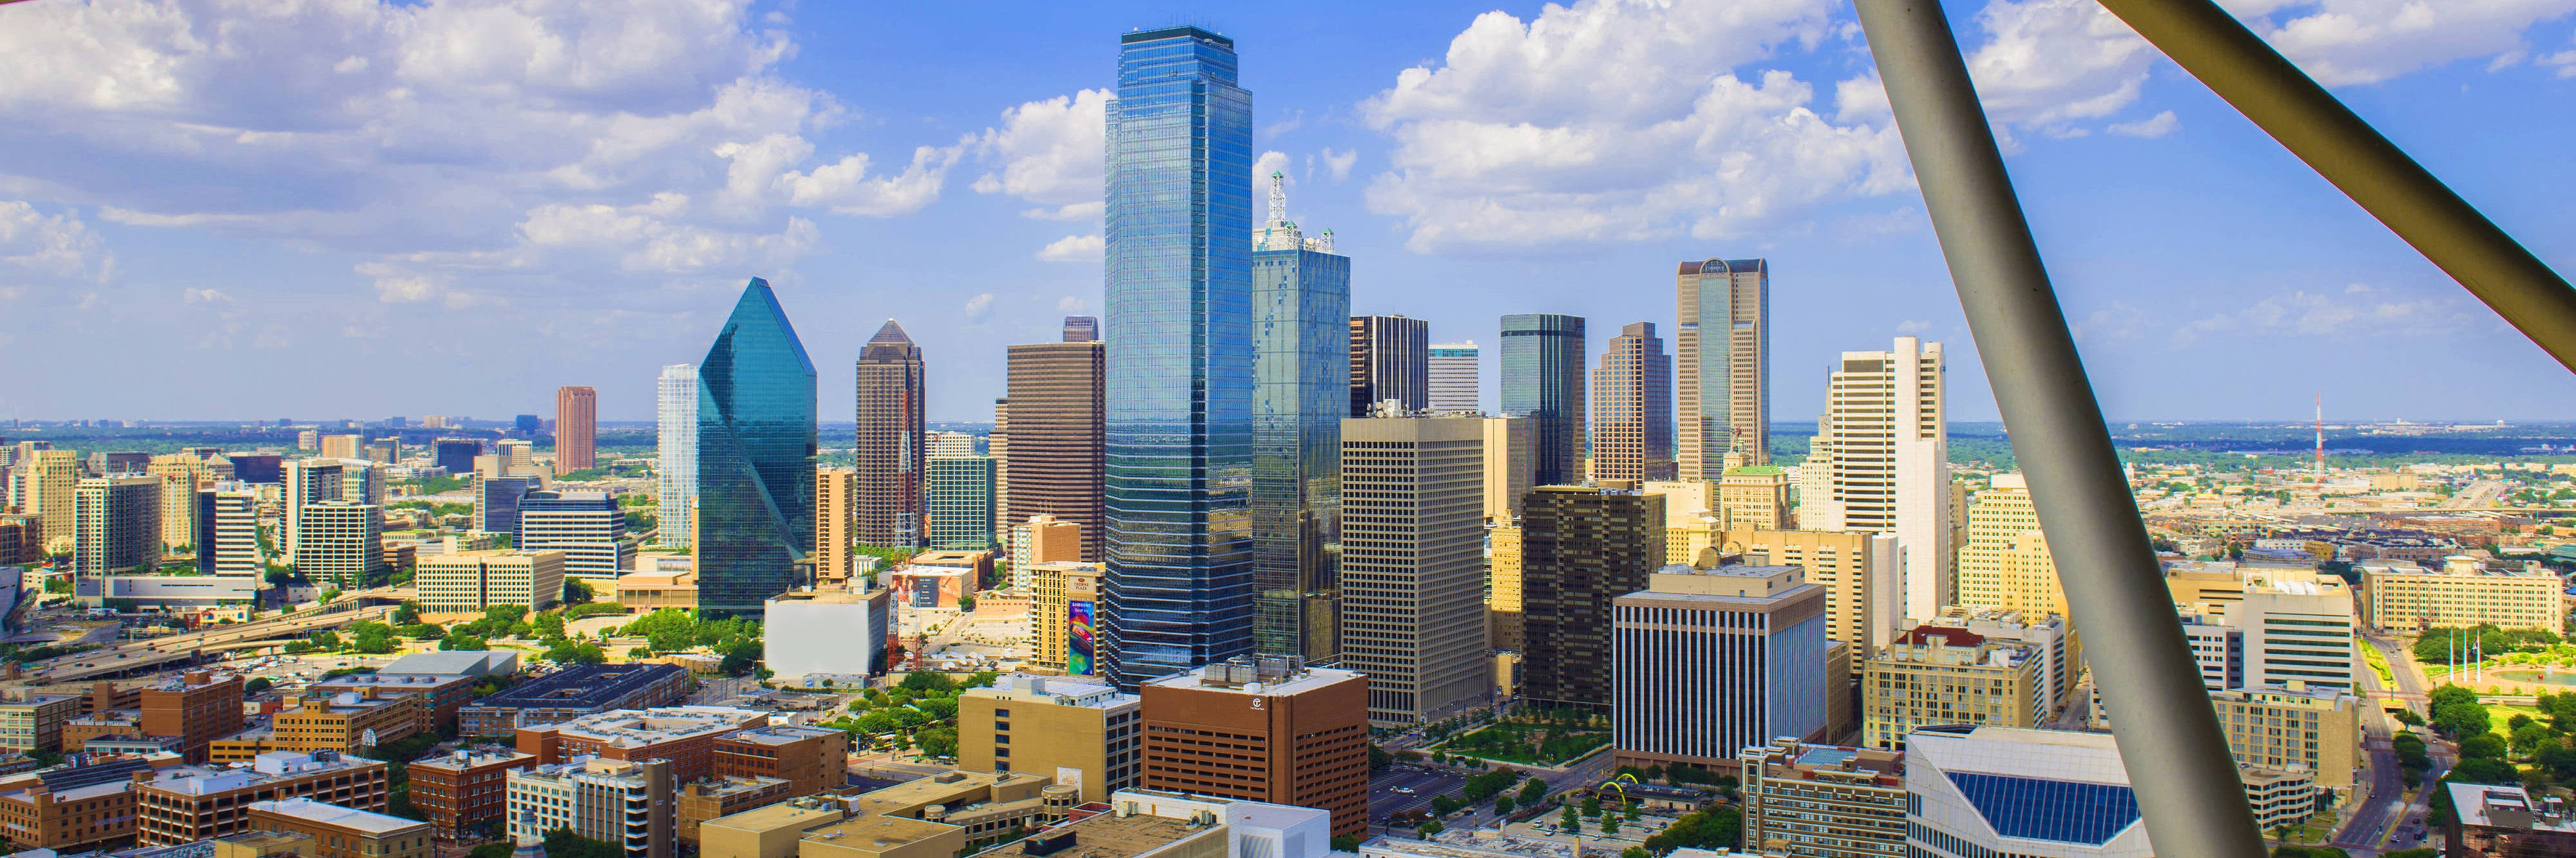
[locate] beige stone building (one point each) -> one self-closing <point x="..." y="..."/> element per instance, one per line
<point x="2463" y="591"/>
<point x="466" y="582"/>
<point x="2005" y="562"/>
<point x="1080" y="734"/>
<point x="1932" y="676"/>
<point x="1064" y="611"/>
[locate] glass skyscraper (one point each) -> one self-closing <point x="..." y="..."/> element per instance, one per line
<point x="1543" y="380"/>
<point x="1301" y="299"/>
<point x="755" y="459"/>
<point x="1179" y="434"/>
<point x="679" y="454"/>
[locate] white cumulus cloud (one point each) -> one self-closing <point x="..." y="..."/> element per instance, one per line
<point x="2158" y="125"/>
<point x="1073" y="248"/>
<point x="1051" y="153"/>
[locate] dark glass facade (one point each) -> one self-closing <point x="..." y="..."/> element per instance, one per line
<point x="2040" y="809"/>
<point x="501" y="496"/>
<point x="1543" y="380"/>
<point x="755" y="459"/>
<point x="1581" y="549"/>
<point x="1179" y="423"/>
<point x="457" y="455"/>
<point x="1300" y="301"/>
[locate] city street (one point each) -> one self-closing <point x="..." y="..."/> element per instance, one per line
<point x="2368" y="830"/>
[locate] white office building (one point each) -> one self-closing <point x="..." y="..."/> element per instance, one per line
<point x="830" y="633"/>
<point x="679" y="450"/>
<point x="1881" y="463"/>
<point x="228" y="530"/>
<point x="1989" y="792"/>
<point x="1453" y="377"/>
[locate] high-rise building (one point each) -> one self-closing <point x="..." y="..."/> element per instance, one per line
<point x="676" y="500"/>
<point x="466" y="582"/>
<point x="340" y="542"/>
<point x="1413" y="579"/>
<point x="1180" y="352"/>
<point x="1709" y="661"/>
<point x="1081" y="329"/>
<point x="1937" y="675"/>
<point x="1265" y="730"/>
<point x="46" y="482"/>
<point x="1064" y="614"/>
<point x="1580" y="549"/>
<point x="1063" y="725"/>
<point x="835" y="493"/>
<point x="1858" y="571"/>
<point x="344" y="447"/>
<point x="613" y="801"/>
<point x="496" y="503"/>
<point x="1306" y="369"/>
<point x="1052" y="444"/>
<point x="1043" y="539"/>
<point x="587" y="526"/>
<point x="950" y="445"/>
<point x="1755" y="496"/>
<point x="1723" y="345"/>
<point x="22" y="539"/>
<point x="1503" y="598"/>
<point x="198" y="707"/>
<point x="1881" y="463"/>
<point x="959" y="490"/>
<point x="527" y="425"/>
<point x="1823" y="801"/>
<point x="1994" y="791"/>
<point x="2061" y="654"/>
<point x="1511" y="466"/>
<point x="2005" y="563"/>
<point x="118" y="524"/>
<point x="576" y="429"/>
<point x="512" y="457"/>
<point x="1632" y="408"/>
<point x="456" y="454"/>
<point x="755" y="521"/>
<point x="1453" y="377"/>
<point x="892" y="443"/>
<point x="1390" y="361"/>
<point x="1543" y="381"/>
<point x="182" y="474"/>
<point x="2298" y="628"/>
<point x="384" y="451"/>
<point x="228" y="530"/>
<point x="2461" y="592"/>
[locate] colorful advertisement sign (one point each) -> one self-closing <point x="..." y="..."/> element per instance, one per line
<point x="1077" y="639"/>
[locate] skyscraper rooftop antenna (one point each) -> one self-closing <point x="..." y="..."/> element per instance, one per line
<point x="1278" y="197"/>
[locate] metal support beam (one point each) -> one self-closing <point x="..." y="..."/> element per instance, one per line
<point x="2286" y="103"/>
<point x="2168" y="734"/>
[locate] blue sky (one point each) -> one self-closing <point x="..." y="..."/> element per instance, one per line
<point x="234" y="210"/>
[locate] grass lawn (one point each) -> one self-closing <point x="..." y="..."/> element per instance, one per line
<point x="2379" y="665"/>
<point x="1512" y="742"/>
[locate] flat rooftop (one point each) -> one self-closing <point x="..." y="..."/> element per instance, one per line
<point x="631" y="728"/>
<point x="583" y="686"/>
<point x="878" y="832"/>
<point x="1255" y="679"/>
<point x="466" y="759"/>
<point x="335" y="815"/>
<point x="792" y="814"/>
<point x="1107" y="835"/>
<point x="780" y="734"/>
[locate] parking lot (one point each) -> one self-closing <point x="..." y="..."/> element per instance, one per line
<point x="1401" y="789"/>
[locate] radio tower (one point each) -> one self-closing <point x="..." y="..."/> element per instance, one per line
<point x="2321" y="444"/>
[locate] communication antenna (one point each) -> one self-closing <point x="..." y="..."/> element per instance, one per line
<point x="2321" y="445"/>
<point x="1278" y="197"/>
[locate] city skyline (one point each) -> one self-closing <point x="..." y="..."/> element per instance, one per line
<point x="2293" y="278"/>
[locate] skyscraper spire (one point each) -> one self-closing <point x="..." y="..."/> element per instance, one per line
<point x="1278" y="197"/>
<point x="1278" y="233"/>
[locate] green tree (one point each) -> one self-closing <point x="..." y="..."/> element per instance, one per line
<point x="407" y="613"/>
<point x="258" y="684"/>
<point x="1430" y="828"/>
<point x="1592" y="807"/>
<point x="1568" y="821"/>
<point x="1503" y="805"/>
<point x="1533" y="791"/>
<point x="463" y="642"/>
<point x="938" y="741"/>
<point x="1609" y="825"/>
<point x="1341" y="843"/>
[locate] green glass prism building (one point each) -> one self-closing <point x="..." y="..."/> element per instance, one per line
<point x="755" y="459"/>
<point x="1543" y="380"/>
<point x="1179" y="342"/>
<point x="1301" y="344"/>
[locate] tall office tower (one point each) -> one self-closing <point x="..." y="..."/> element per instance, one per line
<point x="1453" y="377"/>
<point x="1755" y="496"/>
<point x="1979" y="791"/>
<point x="1511" y="466"/>
<point x="496" y="503"/>
<point x="308" y="440"/>
<point x="950" y="444"/>
<point x="1390" y="360"/>
<point x="1052" y="447"/>
<point x="527" y="425"/>
<point x="384" y="451"/>
<point x="47" y="482"/>
<point x="1580" y="549"/>
<point x="997" y="444"/>
<point x="514" y="458"/>
<point x="456" y="455"/>
<point x="181" y="475"/>
<point x="1632" y="404"/>
<point x="836" y="493"/>
<point x="676" y="439"/>
<point x="118" y="524"/>
<point x="576" y="429"/>
<point x="959" y="494"/>
<point x="342" y="542"/>
<point x="586" y="526"/>
<point x="1823" y="801"/>
<point x="1503" y="597"/>
<point x="756" y="445"/>
<point x="1413" y="568"/>
<point x="310" y="481"/>
<point x="1724" y="347"/>
<point x="22" y="539"/>
<point x="1713" y="660"/>
<point x="1081" y="329"/>
<point x="1304" y="360"/>
<point x="1064" y="609"/>
<point x="891" y="444"/>
<point x="1543" y="381"/>
<point x="1044" y="539"/>
<point x="1179" y="542"/>
<point x="2005" y="563"/>
<point x="344" y="447"/>
<point x="1290" y="735"/>
<point x="227" y="537"/>
<point x="1883" y="450"/>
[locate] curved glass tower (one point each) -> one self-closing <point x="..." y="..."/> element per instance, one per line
<point x="755" y="459"/>
<point x="1179" y="347"/>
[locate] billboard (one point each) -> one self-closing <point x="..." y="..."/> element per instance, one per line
<point x="1077" y="638"/>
